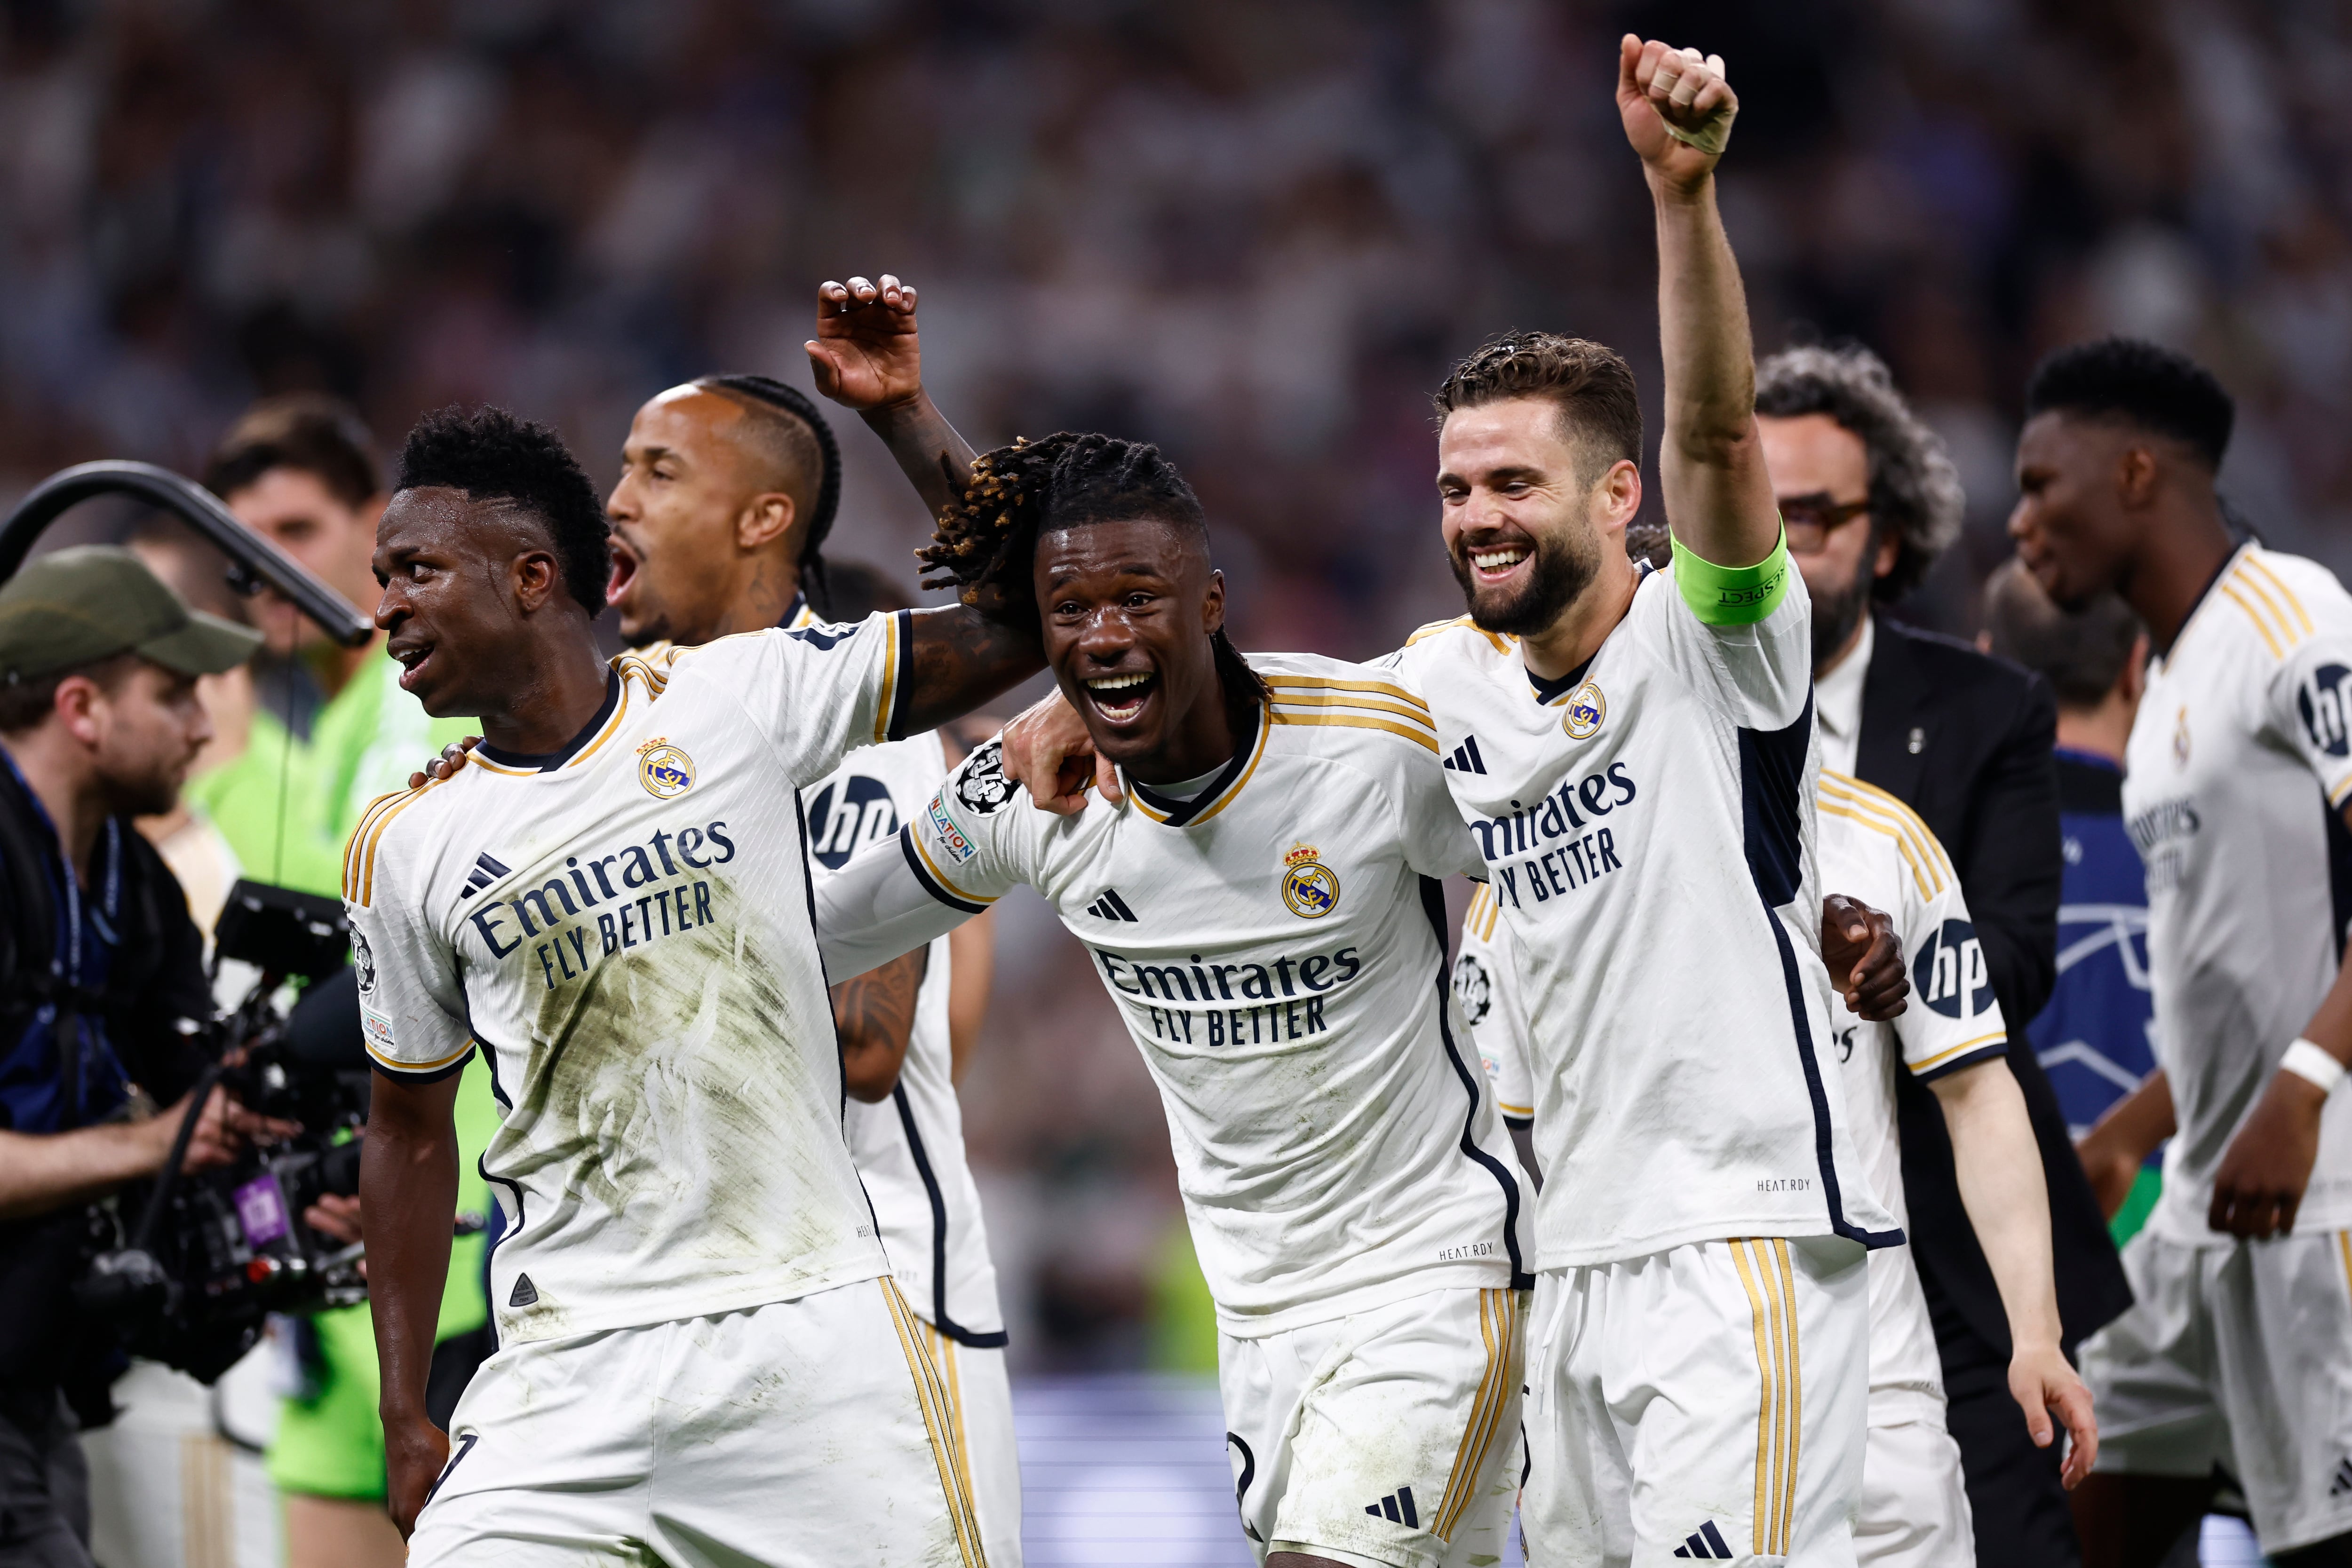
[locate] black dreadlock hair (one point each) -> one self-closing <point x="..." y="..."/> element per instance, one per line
<point x="796" y="405"/>
<point x="986" y="541"/>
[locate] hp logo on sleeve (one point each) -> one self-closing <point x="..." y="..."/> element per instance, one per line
<point x="1949" y="973"/>
<point x="846" y="816"/>
<point x="2325" y="705"/>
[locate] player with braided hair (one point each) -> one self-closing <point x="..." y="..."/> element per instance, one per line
<point x="1265" y="914"/>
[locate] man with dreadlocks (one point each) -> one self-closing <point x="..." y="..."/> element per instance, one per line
<point x="1268" y="921"/>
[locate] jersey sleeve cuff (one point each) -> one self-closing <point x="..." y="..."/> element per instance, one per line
<point x="421" y="1072"/>
<point x="1732" y="595"/>
<point x="897" y="683"/>
<point x="1968" y="1053"/>
<point x="933" y="881"/>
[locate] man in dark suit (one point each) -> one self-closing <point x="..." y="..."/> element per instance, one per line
<point x="1870" y="498"/>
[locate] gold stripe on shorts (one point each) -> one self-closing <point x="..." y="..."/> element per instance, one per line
<point x="938" y="1422"/>
<point x="1498" y="1322"/>
<point x="1765" y="1274"/>
<point x="943" y="1350"/>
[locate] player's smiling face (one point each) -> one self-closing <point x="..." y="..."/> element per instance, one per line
<point x="1524" y="530"/>
<point x="685" y="484"/>
<point x="1126" y="610"/>
<point x="2072" y="532"/>
<point x="460" y="579"/>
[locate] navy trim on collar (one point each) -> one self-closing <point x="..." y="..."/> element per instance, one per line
<point x="1179" y="812"/>
<point x="549" y="761"/>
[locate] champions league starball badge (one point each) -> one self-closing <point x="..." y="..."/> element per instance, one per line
<point x="982" y="787"/>
<point x="666" y="771"/>
<point x="1308" y="886"/>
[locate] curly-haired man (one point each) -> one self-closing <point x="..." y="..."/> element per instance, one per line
<point x="1965" y="740"/>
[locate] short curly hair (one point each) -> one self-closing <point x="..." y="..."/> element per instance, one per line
<point x="1915" y="491"/>
<point x="2143" y="383"/>
<point x="493" y="454"/>
<point x="1591" y="382"/>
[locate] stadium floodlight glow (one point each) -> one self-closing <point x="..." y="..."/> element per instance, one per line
<point x="254" y="561"/>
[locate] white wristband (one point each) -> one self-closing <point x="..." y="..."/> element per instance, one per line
<point x="2313" y="1065"/>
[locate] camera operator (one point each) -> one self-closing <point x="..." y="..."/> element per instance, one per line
<point x="102" y="988"/>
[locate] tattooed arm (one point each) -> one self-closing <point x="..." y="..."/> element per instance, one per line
<point x="876" y="1015"/>
<point x="962" y="657"/>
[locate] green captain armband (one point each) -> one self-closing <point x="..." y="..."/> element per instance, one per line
<point x="1732" y="595"/>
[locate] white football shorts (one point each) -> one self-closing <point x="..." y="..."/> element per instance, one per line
<point x="811" y="1433"/>
<point x="1388" y="1438"/>
<point x="2238" y="1354"/>
<point x="1915" y="1499"/>
<point x="980" y="1402"/>
<point x="1707" y="1402"/>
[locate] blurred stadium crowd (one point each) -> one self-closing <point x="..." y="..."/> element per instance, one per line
<point x="1254" y="233"/>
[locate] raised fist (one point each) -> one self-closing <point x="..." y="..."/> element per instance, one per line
<point x="1677" y="109"/>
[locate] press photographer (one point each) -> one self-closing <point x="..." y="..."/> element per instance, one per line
<point x="104" y="1003"/>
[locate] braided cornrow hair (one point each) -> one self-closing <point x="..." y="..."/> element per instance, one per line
<point x="986" y="541"/>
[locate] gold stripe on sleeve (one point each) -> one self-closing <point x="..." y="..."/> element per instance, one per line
<point x="1353" y="721"/>
<point x="366" y="873"/>
<point x="1961" y="1049"/>
<point x="2254" y="561"/>
<point x="1326" y="684"/>
<point x="2230" y="592"/>
<point x="2288" y="637"/>
<point x="941" y="877"/>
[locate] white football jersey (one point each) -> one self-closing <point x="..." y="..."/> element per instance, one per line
<point x="2240" y="762"/>
<point x="625" y="927"/>
<point x="1277" y="948"/>
<point x="909" y="1147"/>
<point x="1647" y="826"/>
<point x="1875" y="849"/>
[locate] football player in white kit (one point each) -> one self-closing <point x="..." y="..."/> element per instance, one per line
<point x="1914" y="1509"/>
<point x="705" y="1358"/>
<point x="2237" y="1355"/>
<point x="1265" y="912"/>
<point x="728" y="489"/>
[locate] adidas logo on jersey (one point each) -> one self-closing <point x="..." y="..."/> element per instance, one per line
<point x="2342" y="1481"/>
<point x="1466" y="758"/>
<point x="1110" y="906"/>
<point x="1706" y="1541"/>
<point x="1396" y="1507"/>
<point x="486" y="871"/>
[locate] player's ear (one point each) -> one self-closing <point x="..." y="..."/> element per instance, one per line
<point x="765" y="519"/>
<point x="1213" y="603"/>
<point x="2135" y="476"/>
<point x="534" y="576"/>
<point x="1620" y="494"/>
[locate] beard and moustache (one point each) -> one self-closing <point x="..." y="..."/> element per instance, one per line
<point x="1835" y="615"/>
<point x="1560" y="569"/>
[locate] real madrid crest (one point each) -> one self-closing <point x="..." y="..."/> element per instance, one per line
<point x="664" y="770"/>
<point x="1308" y="886"/>
<point x="1586" y="708"/>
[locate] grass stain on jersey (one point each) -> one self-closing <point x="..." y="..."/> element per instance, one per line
<point x="664" y="1079"/>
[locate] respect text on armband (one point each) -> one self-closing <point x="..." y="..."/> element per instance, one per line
<point x="1201" y="1001"/>
<point x="1556" y="845"/>
<point x="601" y="905"/>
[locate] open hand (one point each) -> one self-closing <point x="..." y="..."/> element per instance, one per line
<point x="1678" y="109"/>
<point x="2260" y="1183"/>
<point x="445" y="765"/>
<point x="865" y="352"/>
<point x="1048" y="749"/>
<point x="1864" y="960"/>
<point x="2040" y="1380"/>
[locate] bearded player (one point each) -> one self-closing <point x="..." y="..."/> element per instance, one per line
<point x="2236" y="1356"/>
<point x="705" y="1356"/>
<point x="1914" y="1509"/>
